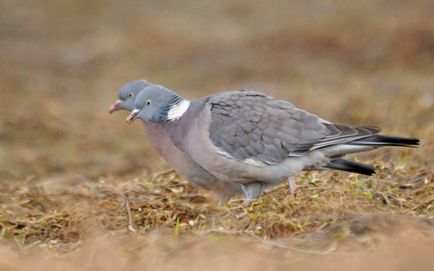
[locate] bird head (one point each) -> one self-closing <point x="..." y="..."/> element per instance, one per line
<point x="127" y="95"/>
<point x="158" y="104"/>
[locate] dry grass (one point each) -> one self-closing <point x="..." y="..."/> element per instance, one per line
<point x="78" y="186"/>
<point x="57" y="212"/>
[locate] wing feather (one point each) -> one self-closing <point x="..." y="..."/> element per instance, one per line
<point x="253" y="127"/>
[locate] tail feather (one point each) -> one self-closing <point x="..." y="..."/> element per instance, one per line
<point x="364" y="144"/>
<point x="383" y="140"/>
<point x="350" y="166"/>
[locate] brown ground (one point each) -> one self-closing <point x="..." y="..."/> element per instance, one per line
<point x="81" y="189"/>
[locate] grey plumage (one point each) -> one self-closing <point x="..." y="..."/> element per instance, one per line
<point x="182" y="163"/>
<point x="127" y="95"/>
<point x="258" y="141"/>
<point x="251" y="125"/>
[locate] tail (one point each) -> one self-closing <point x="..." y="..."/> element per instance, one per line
<point x="369" y="143"/>
<point x="383" y="141"/>
<point x="350" y="166"/>
<point x="363" y="144"/>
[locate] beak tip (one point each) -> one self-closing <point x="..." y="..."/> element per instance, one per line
<point x="115" y="107"/>
<point x="132" y="117"/>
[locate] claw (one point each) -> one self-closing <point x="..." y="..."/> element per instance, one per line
<point x="247" y="202"/>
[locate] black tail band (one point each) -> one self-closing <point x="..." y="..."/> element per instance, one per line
<point x="350" y="166"/>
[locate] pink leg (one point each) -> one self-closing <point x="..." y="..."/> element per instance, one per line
<point x="292" y="185"/>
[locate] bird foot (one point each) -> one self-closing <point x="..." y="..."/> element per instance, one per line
<point x="247" y="202"/>
<point x="252" y="191"/>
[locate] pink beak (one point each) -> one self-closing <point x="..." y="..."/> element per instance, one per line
<point x="115" y="107"/>
<point x="133" y="116"/>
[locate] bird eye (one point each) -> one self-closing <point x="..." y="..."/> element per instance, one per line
<point x="148" y="102"/>
<point x="130" y="95"/>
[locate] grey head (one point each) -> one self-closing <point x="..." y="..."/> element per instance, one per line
<point x="159" y="105"/>
<point x="127" y="95"/>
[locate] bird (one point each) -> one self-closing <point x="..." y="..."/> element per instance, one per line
<point x="255" y="140"/>
<point x="186" y="167"/>
<point x="127" y="95"/>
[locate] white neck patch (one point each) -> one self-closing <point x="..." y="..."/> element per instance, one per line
<point x="178" y="110"/>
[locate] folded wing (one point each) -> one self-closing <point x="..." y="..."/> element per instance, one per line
<point x="255" y="128"/>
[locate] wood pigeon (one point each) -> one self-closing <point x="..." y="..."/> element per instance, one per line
<point x="255" y="140"/>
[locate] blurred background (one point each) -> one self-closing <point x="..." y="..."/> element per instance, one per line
<point x="62" y="62"/>
<point x="67" y="166"/>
